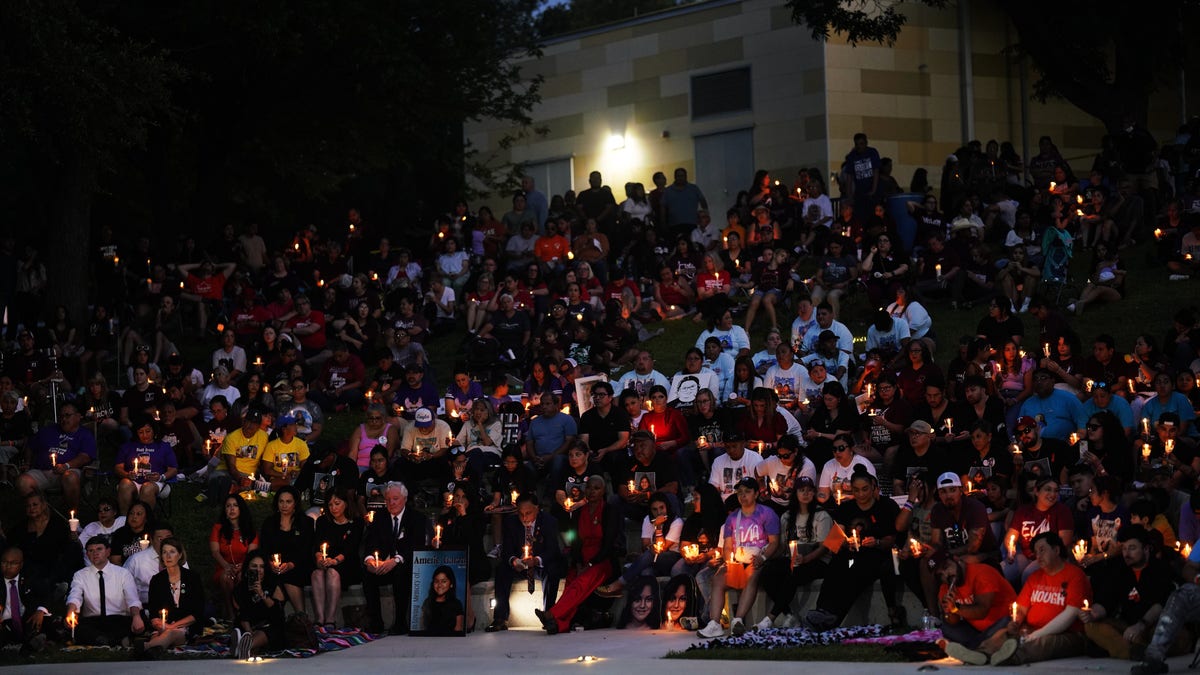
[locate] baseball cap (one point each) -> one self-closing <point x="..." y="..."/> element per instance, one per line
<point x="747" y="481"/>
<point x="644" y="433"/>
<point x="826" y="335"/>
<point x="949" y="479"/>
<point x="252" y="415"/>
<point x="568" y="363"/>
<point x="220" y="370"/>
<point x="920" y="426"/>
<point x="284" y="420"/>
<point x="938" y="558"/>
<point x="423" y="418"/>
<point x="1025" y="421"/>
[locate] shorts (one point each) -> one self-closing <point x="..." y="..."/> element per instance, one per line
<point x="47" y="480"/>
<point x="773" y="291"/>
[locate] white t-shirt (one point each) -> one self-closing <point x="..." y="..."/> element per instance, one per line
<point x="779" y="482"/>
<point x="448" y="300"/>
<point x="732" y="341"/>
<point x="788" y="383"/>
<point x="232" y="360"/>
<point x="671" y="532"/>
<point x="641" y="383"/>
<point x="834" y="475"/>
<point x="726" y="472"/>
<point x="891" y="340"/>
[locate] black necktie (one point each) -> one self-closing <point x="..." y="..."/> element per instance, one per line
<point x="395" y="527"/>
<point x="14" y="607"/>
<point x="103" y="599"/>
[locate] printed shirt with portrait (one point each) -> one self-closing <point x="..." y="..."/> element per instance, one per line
<point x="296" y="453"/>
<point x="246" y="451"/>
<point x="726" y="472"/>
<point x="155" y="457"/>
<point x="51" y="438"/>
<point x="307" y="414"/>
<point x="780" y="480"/>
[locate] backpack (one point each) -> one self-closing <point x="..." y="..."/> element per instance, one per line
<point x="300" y="633"/>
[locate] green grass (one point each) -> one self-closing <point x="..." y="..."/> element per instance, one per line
<point x="855" y="653"/>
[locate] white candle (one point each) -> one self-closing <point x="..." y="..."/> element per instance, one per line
<point x="277" y="563"/>
<point x="938" y="270"/>
<point x="437" y="536"/>
<point x="164" y="618"/>
<point x="1014" y="611"/>
<point x="324" y="549"/>
<point x="526" y="551"/>
<point x="73" y="523"/>
<point x="1145" y="420"/>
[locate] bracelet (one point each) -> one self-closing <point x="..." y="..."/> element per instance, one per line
<point x="907" y="506"/>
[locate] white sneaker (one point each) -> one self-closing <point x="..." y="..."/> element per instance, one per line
<point x="1071" y="308"/>
<point x="495" y="552"/>
<point x="764" y="624"/>
<point x="737" y="626"/>
<point x="712" y="630"/>
<point x="1025" y="306"/>
<point x="790" y="621"/>
<point x="1178" y="277"/>
<point x="245" y="644"/>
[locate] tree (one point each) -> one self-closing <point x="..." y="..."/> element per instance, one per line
<point x="1107" y="63"/>
<point x="579" y="14"/>
<point x="77" y="95"/>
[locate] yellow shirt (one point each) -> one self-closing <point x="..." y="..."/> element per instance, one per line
<point x="247" y="451"/>
<point x="294" y="453"/>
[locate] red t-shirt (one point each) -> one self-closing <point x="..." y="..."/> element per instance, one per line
<point x="1046" y="595"/>
<point x="978" y="580"/>
<point x="713" y="282"/>
<point x="616" y="287"/>
<point x="1029" y="522"/>
<point x="669" y="425"/>
<point x="315" y="342"/>
<point x="209" y="288"/>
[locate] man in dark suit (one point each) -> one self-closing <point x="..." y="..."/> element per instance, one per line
<point x="21" y="612"/>
<point x="390" y="542"/>
<point x="530" y="550"/>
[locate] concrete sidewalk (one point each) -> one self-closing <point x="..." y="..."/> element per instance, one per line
<point x="522" y="652"/>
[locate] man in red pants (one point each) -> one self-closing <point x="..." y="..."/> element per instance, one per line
<point x="593" y="555"/>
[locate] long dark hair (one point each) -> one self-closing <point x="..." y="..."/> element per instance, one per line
<point x="712" y="511"/>
<point x="268" y="580"/>
<point x="245" y="523"/>
<point x="446" y="570"/>
<point x="654" y="619"/>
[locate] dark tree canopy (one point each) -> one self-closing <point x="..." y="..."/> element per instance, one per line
<point x="185" y="115"/>
<point x="1106" y="60"/>
<point x="579" y="14"/>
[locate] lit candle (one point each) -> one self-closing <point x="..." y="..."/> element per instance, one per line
<point x="701" y="441"/>
<point x="854" y="539"/>
<point x="370" y="516"/>
<point x="567" y="503"/>
<point x="949" y="426"/>
<point x="657" y="549"/>
<point x="1052" y="184"/>
<point x="135" y="466"/>
<point x="1131" y="389"/>
<point x="324" y="549"/>
<point x="579" y="316"/>
<point x="1014" y="611"/>
<point x="277" y="563"/>
<point x="1145" y="451"/>
<point x="792" y="549"/>
<point x="72" y="621"/>
<point x="514" y="496"/>
<point x="376" y="556"/>
<point x="914" y="546"/>
<point x="938" y="270"/>
<point x="1012" y="546"/>
<point x="968" y="486"/>
<point x="1145" y="421"/>
<point x="1187" y="550"/>
<point x="1086" y="607"/>
<point x="839" y="495"/>
<point x="145" y="542"/>
<point x="570" y="255"/>
<point x="164" y="618"/>
<point x="258" y="361"/>
<point x="437" y="536"/>
<point x="73" y="523"/>
<point x="1078" y="199"/>
<point x="1016" y="450"/>
<point x="691" y="550"/>
<point x="53" y="459"/>
<point x="1158" y="233"/>
<point x="1074" y="438"/>
<point x="670" y="620"/>
<point x="631" y="486"/>
<point x="1046" y="349"/>
<point x="1169" y="445"/>
<point x="526" y="550"/>
<point x="1080" y="550"/>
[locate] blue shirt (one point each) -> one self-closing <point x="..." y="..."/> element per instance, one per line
<point x="51" y="438"/>
<point x="549" y="433"/>
<point x="1117" y="406"/>
<point x="1178" y="404"/>
<point x="1061" y="413"/>
<point x="156" y="457"/>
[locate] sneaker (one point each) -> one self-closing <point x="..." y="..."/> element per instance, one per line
<point x="245" y="644"/>
<point x="970" y="657"/>
<point x="1003" y="654"/>
<point x="1025" y="306"/>
<point x="737" y="626"/>
<point x="765" y="624"/>
<point x="712" y="630"/>
<point x="495" y="552"/>
<point x="790" y="621"/>
<point x="1148" y="667"/>
<point x="234" y="638"/>
<point x="1178" y="277"/>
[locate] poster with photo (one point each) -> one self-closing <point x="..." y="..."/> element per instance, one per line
<point x="321" y="485"/>
<point x="583" y="391"/>
<point x="439" y="593"/>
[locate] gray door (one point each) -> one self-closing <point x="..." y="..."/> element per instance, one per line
<point x="551" y="177"/>
<point x="724" y="167"/>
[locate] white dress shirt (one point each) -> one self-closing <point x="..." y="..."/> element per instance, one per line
<point x="119" y="590"/>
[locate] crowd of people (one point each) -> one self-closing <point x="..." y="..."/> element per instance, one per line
<point x="1035" y="499"/>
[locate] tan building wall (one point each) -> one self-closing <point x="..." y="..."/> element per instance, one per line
<point x="808" y="98"/>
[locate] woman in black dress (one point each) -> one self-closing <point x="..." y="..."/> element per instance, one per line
<point x="258" y="601"/>
<point x="442" y="612"/>
<point x="462" y="528"/>
<point x="176" y="601"/>
<point x="287" y="541"/>
<point x="336" y="564"/>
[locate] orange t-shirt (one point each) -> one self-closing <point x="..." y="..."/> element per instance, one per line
<point x="548" y="248"/>
<point x="980" y="579"/>
<point x="1046" y="595"/>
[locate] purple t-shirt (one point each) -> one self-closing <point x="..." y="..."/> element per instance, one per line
<point x="155" y="457"/>
<point x="752" y="530"/>
<point x="51" y="438"/>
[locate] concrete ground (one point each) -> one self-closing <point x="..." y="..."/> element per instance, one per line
<point x="522" y="652"/>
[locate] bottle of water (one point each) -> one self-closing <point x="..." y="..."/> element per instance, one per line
<point x="927" y="621"/>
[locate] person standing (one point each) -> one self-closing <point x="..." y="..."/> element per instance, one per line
<point x="682" y="202"/>
<point x="860" y="173"/>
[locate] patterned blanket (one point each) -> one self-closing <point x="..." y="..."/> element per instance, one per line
<point x="214" y="642"/>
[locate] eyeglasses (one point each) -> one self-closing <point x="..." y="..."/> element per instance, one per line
<point x="105" y="509"/>
<point x="1094" y="427"/>
<point x="1025" y="431"/>
<point x="600" y="394"/>
<point x="839" y="448"/>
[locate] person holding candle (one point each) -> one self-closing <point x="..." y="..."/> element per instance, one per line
<point x="549" y="436"/>
<point x="834" y="482"/>
<point x="511" y="479"/>
<point x="258" y="601"/>
<point x="1102" y="399"/>
<point x="649" y="471"/>
<point x="665" y="422"/>
<point x="1045" y="515"/>
<point x="975" y="602"/>
<point x="127" y="540"/>
<point x="423" y="443"/>
<point x="751" y="537"/>
<point x="1167" y="400"/>
<point x="481" y="434"/>
<point x="834" y="415"/>
<point x="530" y="551"/>
<point x="662" y="530"/>
<point x="286" y="539"/>
<point x="72" y="446"/>
<point x="869" y="524"/>
<point x="144" y="466"/>
<point x="51" y="552"/>
<point x="103" y="599"/>
<point x="959" y="524"/>
<point x="107" y="521"/>
<point x="804" y="527"/>
<point x="1039" y="455"/>
<point x="285" y="455"/>
<point x="232" y="538"/>
<point x="147" y="562"/>
<point x="337" y="536"/>
<point x="596" y="549"/>
<point x="176" y="602"/>
<point x="389" y="543"/>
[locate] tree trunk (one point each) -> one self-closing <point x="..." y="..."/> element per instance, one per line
<point x="69" y="240"/>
